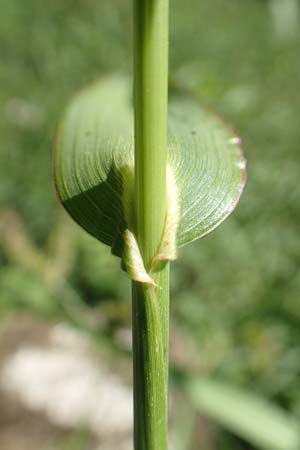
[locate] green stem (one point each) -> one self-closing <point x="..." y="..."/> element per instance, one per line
<point x="150" y="318"/>
<point x="150" y="304"/>
<point x="150" y="103"/>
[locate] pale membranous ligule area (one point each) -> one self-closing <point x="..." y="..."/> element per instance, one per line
<point x="93" y="168"/>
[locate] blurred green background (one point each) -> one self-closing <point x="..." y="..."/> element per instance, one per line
<point x="235" y="314"/>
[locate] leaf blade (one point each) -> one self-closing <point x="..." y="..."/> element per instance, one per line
<point x="210" y="171"/>
<point x="93" y="164"/>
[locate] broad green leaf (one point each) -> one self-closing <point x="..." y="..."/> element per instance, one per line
<point x="254" y="419"/>
<point x="93" y="164"/>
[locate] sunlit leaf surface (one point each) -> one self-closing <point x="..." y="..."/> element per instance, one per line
<point x="93" y="164"/>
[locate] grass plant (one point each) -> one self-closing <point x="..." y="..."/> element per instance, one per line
<point x="146" y="182"/>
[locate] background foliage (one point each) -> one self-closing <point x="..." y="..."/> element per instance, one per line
<point x="235" y="294"/>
